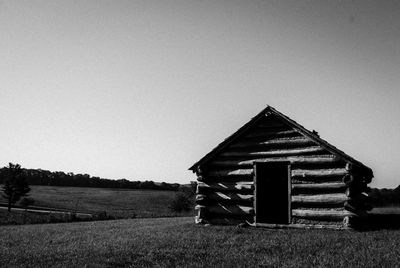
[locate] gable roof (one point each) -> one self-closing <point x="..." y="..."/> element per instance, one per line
<point x="272" y="111"/>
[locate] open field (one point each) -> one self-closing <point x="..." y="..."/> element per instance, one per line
<point x="179" y="242"/>
<point x="118" y="203"/>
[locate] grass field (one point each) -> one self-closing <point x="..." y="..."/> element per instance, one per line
<point x="24" y="217"/>
<point x="170" y="242"/>
<point x="117" y="203"/>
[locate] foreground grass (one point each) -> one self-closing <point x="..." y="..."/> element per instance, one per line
<point x="118" y="203"/>
<point x="178" y="242"/>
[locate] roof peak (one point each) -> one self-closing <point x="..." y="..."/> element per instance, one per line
<point x="313" y="135"/>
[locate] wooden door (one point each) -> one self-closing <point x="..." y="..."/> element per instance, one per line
<point x="272" y="192"/>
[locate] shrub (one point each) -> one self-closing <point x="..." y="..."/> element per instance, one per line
<point x="180" y="203"/>
<point x="184" y="199"/>
<point x="26" y="202"/>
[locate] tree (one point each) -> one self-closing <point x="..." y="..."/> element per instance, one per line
<point x="15" y="185"/>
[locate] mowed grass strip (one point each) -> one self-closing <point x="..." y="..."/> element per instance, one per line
<point x="119" y="203"/>
<point x="171" y="242"/>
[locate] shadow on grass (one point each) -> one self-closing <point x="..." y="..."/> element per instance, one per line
<point x="375" y="222"/>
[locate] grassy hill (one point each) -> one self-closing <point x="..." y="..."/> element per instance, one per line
<point x="119" y="203"/>
<point x="170" y="242"/>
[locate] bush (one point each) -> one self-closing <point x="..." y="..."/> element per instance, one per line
<point x="184" y="199"/>
<point x="181" y="202"/>
<point x="26" y="202"/>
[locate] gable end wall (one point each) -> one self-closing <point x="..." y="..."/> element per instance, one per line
<point x="326" y="189"/>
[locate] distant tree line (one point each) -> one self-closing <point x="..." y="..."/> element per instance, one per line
<point x="385" y="197"/>
<point x="59" y="178"/>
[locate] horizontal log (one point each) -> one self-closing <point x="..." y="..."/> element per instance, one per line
<point x="232" y="179"/>
<point x="288" y="152"/>
<point x="295" y="172"/>
<point x="229" y="209"/>
<point x="335" y="215"/>
<point x="321" y="199"/>
<point x="319" y="172"/>
<point x="224" y="196"/>
<point x="314" y="159"/>
<point x="319" y="186"/>
<point x="284" y="142"/>
<point x="237" y="172"/>
<point x="271" y="124"/>
<point x="309" y="180"/>
<point x="226" y="186"/>
<point x="262" y="132"/>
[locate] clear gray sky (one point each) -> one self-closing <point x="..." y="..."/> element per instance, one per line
<point x="143" y="89"/>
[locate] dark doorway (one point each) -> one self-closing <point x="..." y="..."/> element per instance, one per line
<point x="272" y="192"/>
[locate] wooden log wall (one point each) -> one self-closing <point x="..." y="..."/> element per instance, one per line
<point x="324" y="187"/>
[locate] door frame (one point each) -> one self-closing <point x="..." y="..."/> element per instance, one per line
<point x="289" y="190"/>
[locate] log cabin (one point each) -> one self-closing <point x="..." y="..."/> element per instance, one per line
<point x="273" y="172"/>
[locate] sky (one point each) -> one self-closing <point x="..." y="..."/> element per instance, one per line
<point x="143" y="89"/>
